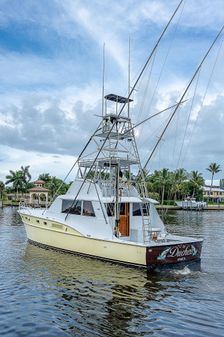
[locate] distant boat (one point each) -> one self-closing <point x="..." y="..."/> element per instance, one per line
<point x="191" y="203"/>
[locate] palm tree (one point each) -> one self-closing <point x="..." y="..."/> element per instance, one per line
<point x="56" y="185"/>
<point x="26" y="173"/>
<point x="17" y="180"/>
<point x="45" y="177"/>
<point x="197" y="181"/>
<point x="213" y="168"/>
<point x="180" y="175"/>
<point x="162" y="179"/>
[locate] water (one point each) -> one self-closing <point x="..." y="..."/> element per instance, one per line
<point x="47" y="293"/>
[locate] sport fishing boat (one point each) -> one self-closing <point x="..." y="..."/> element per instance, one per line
<point x="106" y="212"/>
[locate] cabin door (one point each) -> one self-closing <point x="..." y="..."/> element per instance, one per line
<point x="124" y="219"/>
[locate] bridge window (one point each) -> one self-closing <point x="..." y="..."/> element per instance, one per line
<point x="136" y="209"/>
<point x="88" y="208"/>
<point x="68" y="206"/>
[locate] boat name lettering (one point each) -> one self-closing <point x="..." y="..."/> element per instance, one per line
<point x="178" y="252"/>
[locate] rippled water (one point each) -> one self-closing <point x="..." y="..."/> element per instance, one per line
<point x="47" y="293"/>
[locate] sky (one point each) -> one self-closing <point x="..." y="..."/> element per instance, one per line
<point x="51" y="80"/>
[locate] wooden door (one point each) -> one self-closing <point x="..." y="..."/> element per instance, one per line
<point x="124" y="219"/>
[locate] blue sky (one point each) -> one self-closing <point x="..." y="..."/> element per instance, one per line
<point x="51" y="70"/>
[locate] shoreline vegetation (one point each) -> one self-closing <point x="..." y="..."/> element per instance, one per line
<point x="163" y="185"/>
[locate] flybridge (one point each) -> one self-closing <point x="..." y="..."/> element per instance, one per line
<point x="114" y="125"/>
<point x="118" y="99"/>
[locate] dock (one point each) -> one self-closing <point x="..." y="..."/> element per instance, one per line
<point x="178" y="208"/>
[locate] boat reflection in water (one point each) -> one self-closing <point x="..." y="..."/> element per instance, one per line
<point x="89" y="295"/>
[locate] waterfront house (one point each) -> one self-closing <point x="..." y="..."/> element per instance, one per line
<point x="215" y="192"/>
<point x="38" y="195"/>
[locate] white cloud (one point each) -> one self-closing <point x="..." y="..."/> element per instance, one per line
<point x="48" y="100"/>
<point x="59" y="124"/>
<point x="56" y="165"/>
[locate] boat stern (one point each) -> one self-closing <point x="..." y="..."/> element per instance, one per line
<point x="173" y="253"/>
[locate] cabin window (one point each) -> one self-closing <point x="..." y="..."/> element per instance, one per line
<point x="110" y="209"/>
<point x="88" y="208"/>
<point x="136" y="209"/>
<point x="76" y="207"/>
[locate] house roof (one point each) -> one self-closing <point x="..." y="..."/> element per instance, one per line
<point x="38" y="189"/>
<point x="216" y="182"/>
<point x="39" y="182"/>
<point x="213" y="189"/>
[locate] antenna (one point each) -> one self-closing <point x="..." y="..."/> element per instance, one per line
<point x="103" y="78"/>
<point x="129" y="73"/>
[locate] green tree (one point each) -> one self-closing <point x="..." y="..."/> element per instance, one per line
<point x="179" y="177"/>
<point x="45" y="177"/>
<point x="213" y="168"/>
<point x="162" y="180"/>
<point x="56" y="186"/>
<point x="185" y="189"/>
<point x="196" y="183"/>
<point x="16" y="178"/>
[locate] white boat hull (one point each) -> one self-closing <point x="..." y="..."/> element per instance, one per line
<point x="73" y="242"/>
<point x="58" y="236"/>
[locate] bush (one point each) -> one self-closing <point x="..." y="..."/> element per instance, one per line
<point x="169" y="202"/>
<point x="154" y="195"/>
